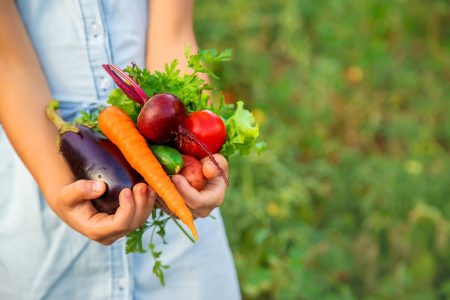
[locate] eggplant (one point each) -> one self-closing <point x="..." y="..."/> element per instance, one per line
<point x="92" y="156"/>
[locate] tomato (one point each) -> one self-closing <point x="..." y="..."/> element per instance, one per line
<point x="208" y="128"/>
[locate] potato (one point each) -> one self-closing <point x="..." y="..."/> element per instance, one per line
<point x="193" y="171"/>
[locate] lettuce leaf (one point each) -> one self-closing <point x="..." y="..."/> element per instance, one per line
<point x="242" y="132"/>
<point x="119" y="99"/>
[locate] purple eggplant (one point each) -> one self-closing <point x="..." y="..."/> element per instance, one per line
<point x="92" y="156"/>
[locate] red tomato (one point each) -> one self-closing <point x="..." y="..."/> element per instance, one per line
<point x="208" y="128"/>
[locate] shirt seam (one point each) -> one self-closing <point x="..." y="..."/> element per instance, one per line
<point x="86" y="40"/>
<point x="108" y="49"/>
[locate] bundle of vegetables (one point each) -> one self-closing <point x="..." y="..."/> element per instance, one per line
<point x="160" y="124"/>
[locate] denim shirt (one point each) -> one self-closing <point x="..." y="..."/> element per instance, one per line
<point x="40" y="256"/>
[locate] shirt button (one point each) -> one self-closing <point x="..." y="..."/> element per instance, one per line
<point x="122" y="283"/>
<point x="96" y="29"/>
<point x="105" y="83"/>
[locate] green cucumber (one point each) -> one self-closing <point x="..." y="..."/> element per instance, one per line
<point x="169" y="157"/>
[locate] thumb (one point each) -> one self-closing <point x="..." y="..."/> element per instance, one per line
<point x="185" y="189"/>
<point x="210" y="170"/>
<point x="82" y="190"/>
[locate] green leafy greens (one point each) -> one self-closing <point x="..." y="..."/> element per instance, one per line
<point x="242" y="130"/>
<point x="89" y="119"/>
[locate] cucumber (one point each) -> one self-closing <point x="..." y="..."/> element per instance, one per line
<point x="169" y="157"/>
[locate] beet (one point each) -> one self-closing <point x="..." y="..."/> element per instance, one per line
<point x="161" y="117"/>
<point x="91" y="156"/>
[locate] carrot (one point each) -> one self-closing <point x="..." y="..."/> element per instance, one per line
<point x="118" y="127"/>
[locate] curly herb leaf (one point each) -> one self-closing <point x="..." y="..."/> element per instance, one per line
<point x="134" y="241"/>
<point x="89" y="119"/>
<point x="200" y="61"/>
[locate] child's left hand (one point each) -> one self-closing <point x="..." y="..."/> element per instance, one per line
<point x="212" y="195"/>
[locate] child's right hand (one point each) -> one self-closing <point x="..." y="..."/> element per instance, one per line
<point x="73" y="206"/>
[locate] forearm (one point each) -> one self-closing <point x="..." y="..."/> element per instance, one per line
<point x="170" y="31"/>
<point x="24" y="94"/>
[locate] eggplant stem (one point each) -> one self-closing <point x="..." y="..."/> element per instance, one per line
<point x="60" y="124"/>
<point x="53" y="116"/>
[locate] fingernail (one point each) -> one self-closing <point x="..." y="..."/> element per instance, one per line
<point x="97" y="186"/>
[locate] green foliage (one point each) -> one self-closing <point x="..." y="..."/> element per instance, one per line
<point x="351" y="198"/>
<point x="89" y="119"/>
<point x="199" y="62"/>
<point x="242" y="130"/>
<point x="119" y="99"/>
<point x="188" y="87"/>
<point x="134" y="241"/>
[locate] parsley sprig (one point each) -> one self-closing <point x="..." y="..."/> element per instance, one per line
<point x="134" y="241"/>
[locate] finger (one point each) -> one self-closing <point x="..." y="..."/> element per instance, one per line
<point x="142" y="198"/>
<point x="191" y="196"/>
<point x="200" y="203"/>
<point x="98" y="227"/>
<point x="81" y="190"/>
<point x="151" y="195"/>
<point x="202" y="213"/>
<point x="161" y="205"/>
<point x="210" y="169"/>
<point x="215" y="187"/>
<point x="125" y="213"/>
<point x="214" y="190"/>
<point x="105" y="228"/>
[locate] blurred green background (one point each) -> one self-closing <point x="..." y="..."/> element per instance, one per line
<point x="351" y="200"/>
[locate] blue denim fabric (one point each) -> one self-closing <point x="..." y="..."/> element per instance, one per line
<point x="40" y="256"/>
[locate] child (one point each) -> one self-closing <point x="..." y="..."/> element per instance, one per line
<point x="54" y="244"/>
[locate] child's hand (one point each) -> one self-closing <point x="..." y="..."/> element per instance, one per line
<point x="74" y="207"/>
<point x="212" y="195"/>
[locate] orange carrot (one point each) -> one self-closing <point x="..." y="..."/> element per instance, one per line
<point x="118" y="127"/>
